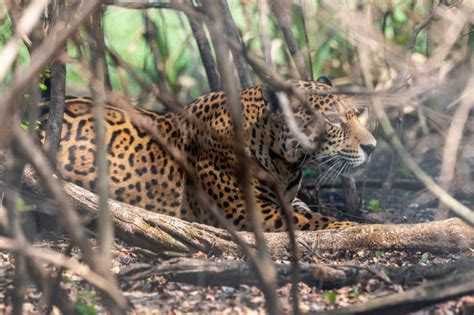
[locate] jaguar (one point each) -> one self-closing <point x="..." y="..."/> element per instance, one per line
<point x="283" y="134"/>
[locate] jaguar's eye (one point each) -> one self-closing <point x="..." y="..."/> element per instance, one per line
<point x="336" y="119"/>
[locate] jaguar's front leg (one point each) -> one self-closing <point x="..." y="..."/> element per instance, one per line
<point x="306" y="219"/>
<point x="303" y="217"/>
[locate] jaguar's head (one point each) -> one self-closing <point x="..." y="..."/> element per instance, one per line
<point x="344" y="144"/>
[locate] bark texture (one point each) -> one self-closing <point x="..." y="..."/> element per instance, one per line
<point x="158" y="232"/>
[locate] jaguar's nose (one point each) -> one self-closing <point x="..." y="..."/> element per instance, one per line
<point x="368" y="148"/>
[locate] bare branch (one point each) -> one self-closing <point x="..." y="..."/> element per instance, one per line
<point x="58" y="89"/>
<point x="205" y="50"/>
<point x="151" y="32"/>
<point x="39" y="60"/>
<point x="232" y="33"/>
<point x="418" y="28"/>
<point x="60" y="260"/>
<point x="453" y="139"/>
<point x="280" y="10"/>
<point x="264" y="35"/>
<point x="263" y="265"/>
<point x="25" y="25"/>
<point x="414" y="299"/>
<point x="67" y="215"/>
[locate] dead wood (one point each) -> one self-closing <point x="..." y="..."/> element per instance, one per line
<point x="235" y="272"/>
<point x="450" y="287"/>
<point x="158" y="232"/>
<point x="351" y="199"/>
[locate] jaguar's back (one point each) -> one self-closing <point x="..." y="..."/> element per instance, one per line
<point x="140" y="172"/>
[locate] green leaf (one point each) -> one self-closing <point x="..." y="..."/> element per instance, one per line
<point x="85" y="308"/>
<point x="378" y="254"/>
<point x="86" y="294"/>
<point x="424" y="258"/>
<point x="42" y="87"/>
<point x="355" y="290"/>
<point x="67" y="280"/>
<point x="374" y="205"/>
<point x="331" y="296"/>
<point x="22" y="206"/>
<point x="399" y="15"/>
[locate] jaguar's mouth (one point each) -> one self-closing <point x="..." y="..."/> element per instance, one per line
<point x="332" y="167"/>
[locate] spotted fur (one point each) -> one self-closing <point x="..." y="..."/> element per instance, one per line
<point x="143" y="174"/>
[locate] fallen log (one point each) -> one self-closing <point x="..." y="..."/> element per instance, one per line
<point x="159" y="233"/>
<point x="236" y="272"/>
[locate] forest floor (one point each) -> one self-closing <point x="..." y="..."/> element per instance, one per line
<point x="156" y="295"/>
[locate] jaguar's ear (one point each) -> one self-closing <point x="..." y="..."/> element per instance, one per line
<point x="324" y="80"/>
<point x="270" y="97"/>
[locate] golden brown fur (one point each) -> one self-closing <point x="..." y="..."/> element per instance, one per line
<point x="142" y="174"/>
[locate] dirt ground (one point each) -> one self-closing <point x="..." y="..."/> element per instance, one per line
<point x="156" y="295"/>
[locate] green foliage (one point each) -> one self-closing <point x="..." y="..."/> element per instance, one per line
<point x="67" y="280"/>
<point x="330" y="47"/>
<point x="84" y="308"/>
<point x="374" y="205"/>
<point x="331" y="296"/>
<point x="86" y="302"/>
<point x="403" y="171"/>
<point x="378" y="254"/>
<point x="424" y="258"/>
<point x="25" y="124"/>
<point x="309" y="173"/>
<point x="355" y="290"/>
<point x="22" y="206"/>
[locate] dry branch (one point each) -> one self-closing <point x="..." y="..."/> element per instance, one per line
<point x="66" y="214"/>
<point x="453" y="140"/>
<point x="158" y="232"/>
<point x="280" y="11"/>
<point x="39" y="60"/>
<point x="431" y="293"/>
<point x="261" y="261"/>
<point x="59" y="260"/>
<point x="24" y="26"/>
<point x="57" y="89"/>
<point x="204" y="50"/>
<point x="231" y="31"/>
<point x="237" y="272"/>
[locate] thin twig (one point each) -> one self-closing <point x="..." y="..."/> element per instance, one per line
<point x="230" y="28"/>
<point x="151" y="34"/>
<point x="418" y="28"/>
<point x="264" y="35"/>
<point x="14" y="167"/>
<point x="390" y="135"/>
<point x="453" y="139"/>
<point x="140" y="5"/>
<point x="67" y="215"/>
<point x="24" y="76"/>
<point x="280" y="11"/>
<point x="205" y="50"/>
<point x="264" y="264"/>
<point x="105" y="222"/>
<point x="60" y="260"/>
<point x="306" y="39"/>
<point x="24" y="26"/>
